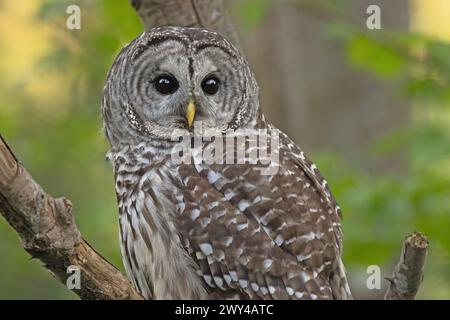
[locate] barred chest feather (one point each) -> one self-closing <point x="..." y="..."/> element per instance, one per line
<point x="149" y="198"/>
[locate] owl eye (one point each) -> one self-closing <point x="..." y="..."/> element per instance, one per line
<point x="166" y="84"/>
<point x="210" y="85"/>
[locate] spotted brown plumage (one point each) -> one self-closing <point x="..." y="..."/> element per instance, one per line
<point x="198" y="229"/>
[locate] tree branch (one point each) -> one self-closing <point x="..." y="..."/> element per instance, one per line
<point x="408" y="274"/>
<point x="48" y="232"/>
<point x="208" y="14"/>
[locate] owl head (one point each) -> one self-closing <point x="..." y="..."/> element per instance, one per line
<point x="170" y="78"/>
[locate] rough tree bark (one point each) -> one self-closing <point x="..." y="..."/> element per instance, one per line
<point x="208" y="14"/>
<point x="46" y="225"/>
<point x="408" y="274"/>
<point x="48" y="232"/>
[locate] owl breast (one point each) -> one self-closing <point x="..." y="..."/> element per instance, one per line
<point x="149" y="198"/>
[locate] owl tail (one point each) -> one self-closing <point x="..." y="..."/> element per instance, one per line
<point x="339" y="283"/>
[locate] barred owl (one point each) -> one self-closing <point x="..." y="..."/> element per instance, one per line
<point x="197" y="229"/>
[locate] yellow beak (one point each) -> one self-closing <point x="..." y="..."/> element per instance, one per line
<point x="190" y="113"/>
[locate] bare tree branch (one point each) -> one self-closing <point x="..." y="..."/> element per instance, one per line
<point x="408" y="274"/>
<point x="208" y="14"/>
<point x="48" y="232"/>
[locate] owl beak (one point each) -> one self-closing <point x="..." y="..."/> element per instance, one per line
<point x="190" y="113"/>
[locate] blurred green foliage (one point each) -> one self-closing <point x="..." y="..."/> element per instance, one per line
<point x="250" y="12"/>
<point x="378" y="209"/>
<point x="65" y="150"/>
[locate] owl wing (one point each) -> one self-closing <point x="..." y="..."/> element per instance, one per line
<point x="264" y="236"/>
<point x="234" y="252"/>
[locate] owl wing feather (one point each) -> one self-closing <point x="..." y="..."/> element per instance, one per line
<point x="263" y="236"/>
<point x="235" y="253"/>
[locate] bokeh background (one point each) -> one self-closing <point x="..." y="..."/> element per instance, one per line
<point x="370" y="107"/>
